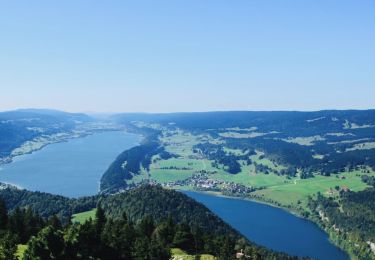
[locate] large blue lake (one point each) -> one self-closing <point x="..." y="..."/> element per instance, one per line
<point x="72" y="168"/>
<point x="272" y="227"/>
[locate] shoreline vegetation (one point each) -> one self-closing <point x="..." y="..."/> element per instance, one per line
<point x="333" y="232"/>
<point x="38" y="143"/>
<point x="332" y="238"/>
<point x="221" y="195"/>
<point x="216" y="237"/>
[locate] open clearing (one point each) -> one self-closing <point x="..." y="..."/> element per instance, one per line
<point x="304" y="140"/>
<point x="83" y="216"/>
<point x="178" y="254"/>
<point x="362" y="146"/>
<point x="299" y="189"/>
<point x="241" y="135"/>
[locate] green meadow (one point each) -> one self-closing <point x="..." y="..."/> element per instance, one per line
<point x="273" y="188"/>
<point x="179" y="254"/>
<point x="83" y="216"/>
<point x="298" y="190"/>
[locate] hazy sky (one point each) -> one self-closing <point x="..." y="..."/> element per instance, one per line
<point x="187" y="55"/>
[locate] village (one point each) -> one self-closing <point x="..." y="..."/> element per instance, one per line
<point x="202" y="182"/>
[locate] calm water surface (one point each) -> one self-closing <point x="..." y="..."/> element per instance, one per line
<point x="272" y="227"/>
<point x="72" y="168"/>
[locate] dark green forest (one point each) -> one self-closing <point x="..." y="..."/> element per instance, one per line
<point x="149" y="218"/>
<point x="338" y="129"/>
<point x="46" y="204"/>
<point x="351" y="216"/>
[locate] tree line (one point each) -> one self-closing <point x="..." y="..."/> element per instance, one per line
<point x="150" y="220"/>
<point x="351" y="217"/>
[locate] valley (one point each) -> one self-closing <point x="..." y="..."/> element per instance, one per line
<point x="187" y="130"/>
<point x="285" y="159"/>
<point x="223" y="159"/>
<point x="261" y="180"/>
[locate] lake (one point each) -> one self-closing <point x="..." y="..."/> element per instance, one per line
<point x="272" y="227"/>
<point x="71" y="168"/>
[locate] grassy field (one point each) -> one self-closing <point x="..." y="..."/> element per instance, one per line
<point x="304" y="140"/>
<point x="194" y="164"/>
<point x="140" y="177"/>
<point x="83" y="216"/>
<point x="163" y="176"/>
<point x="187" y="164"/>
<point x="249" y="178"/>
<point x="299" y="189"/>
<point x="233" y="151"/>
<point x="180" y="142"/>
<point x="241" y="135"/>
<point x="280" y="189"/>
<point x="178" y="254"/>
<point x="266" y="161"/>
<point x="185" y="168"/>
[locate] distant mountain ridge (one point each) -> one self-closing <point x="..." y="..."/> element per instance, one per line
<point x="19" y="126"/>
<point x="264" y="120"/>
<point x="323" y="140"/>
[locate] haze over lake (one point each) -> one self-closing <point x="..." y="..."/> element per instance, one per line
<point x="72" y="168"/>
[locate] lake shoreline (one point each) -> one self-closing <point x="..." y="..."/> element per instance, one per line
<point x="218" y="194"/>
<point x="41" y="142"/>
<point x="71" y="167"/>
<point x="292" y="212"/>
<point x="40" y="146"/>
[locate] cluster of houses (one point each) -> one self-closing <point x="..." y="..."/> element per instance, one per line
<point x="242" y="255"/>
<point x="332" y="191"/>
<point x="201" y="181"/>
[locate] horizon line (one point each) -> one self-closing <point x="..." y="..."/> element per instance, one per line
<point x="181" y="112"/>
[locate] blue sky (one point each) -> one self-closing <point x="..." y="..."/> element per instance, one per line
<point x="180" y="55"/>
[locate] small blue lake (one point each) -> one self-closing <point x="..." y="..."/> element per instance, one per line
<point x="71" y="168"/>
<point x="272" y="227"/>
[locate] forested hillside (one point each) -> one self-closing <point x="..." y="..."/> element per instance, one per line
<point x="150" y="218"/>
<point x="126" y="165"/>
<point x="45" y="204"/>
<point x="351" y="218"/>
<point x="157" y="202"/>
